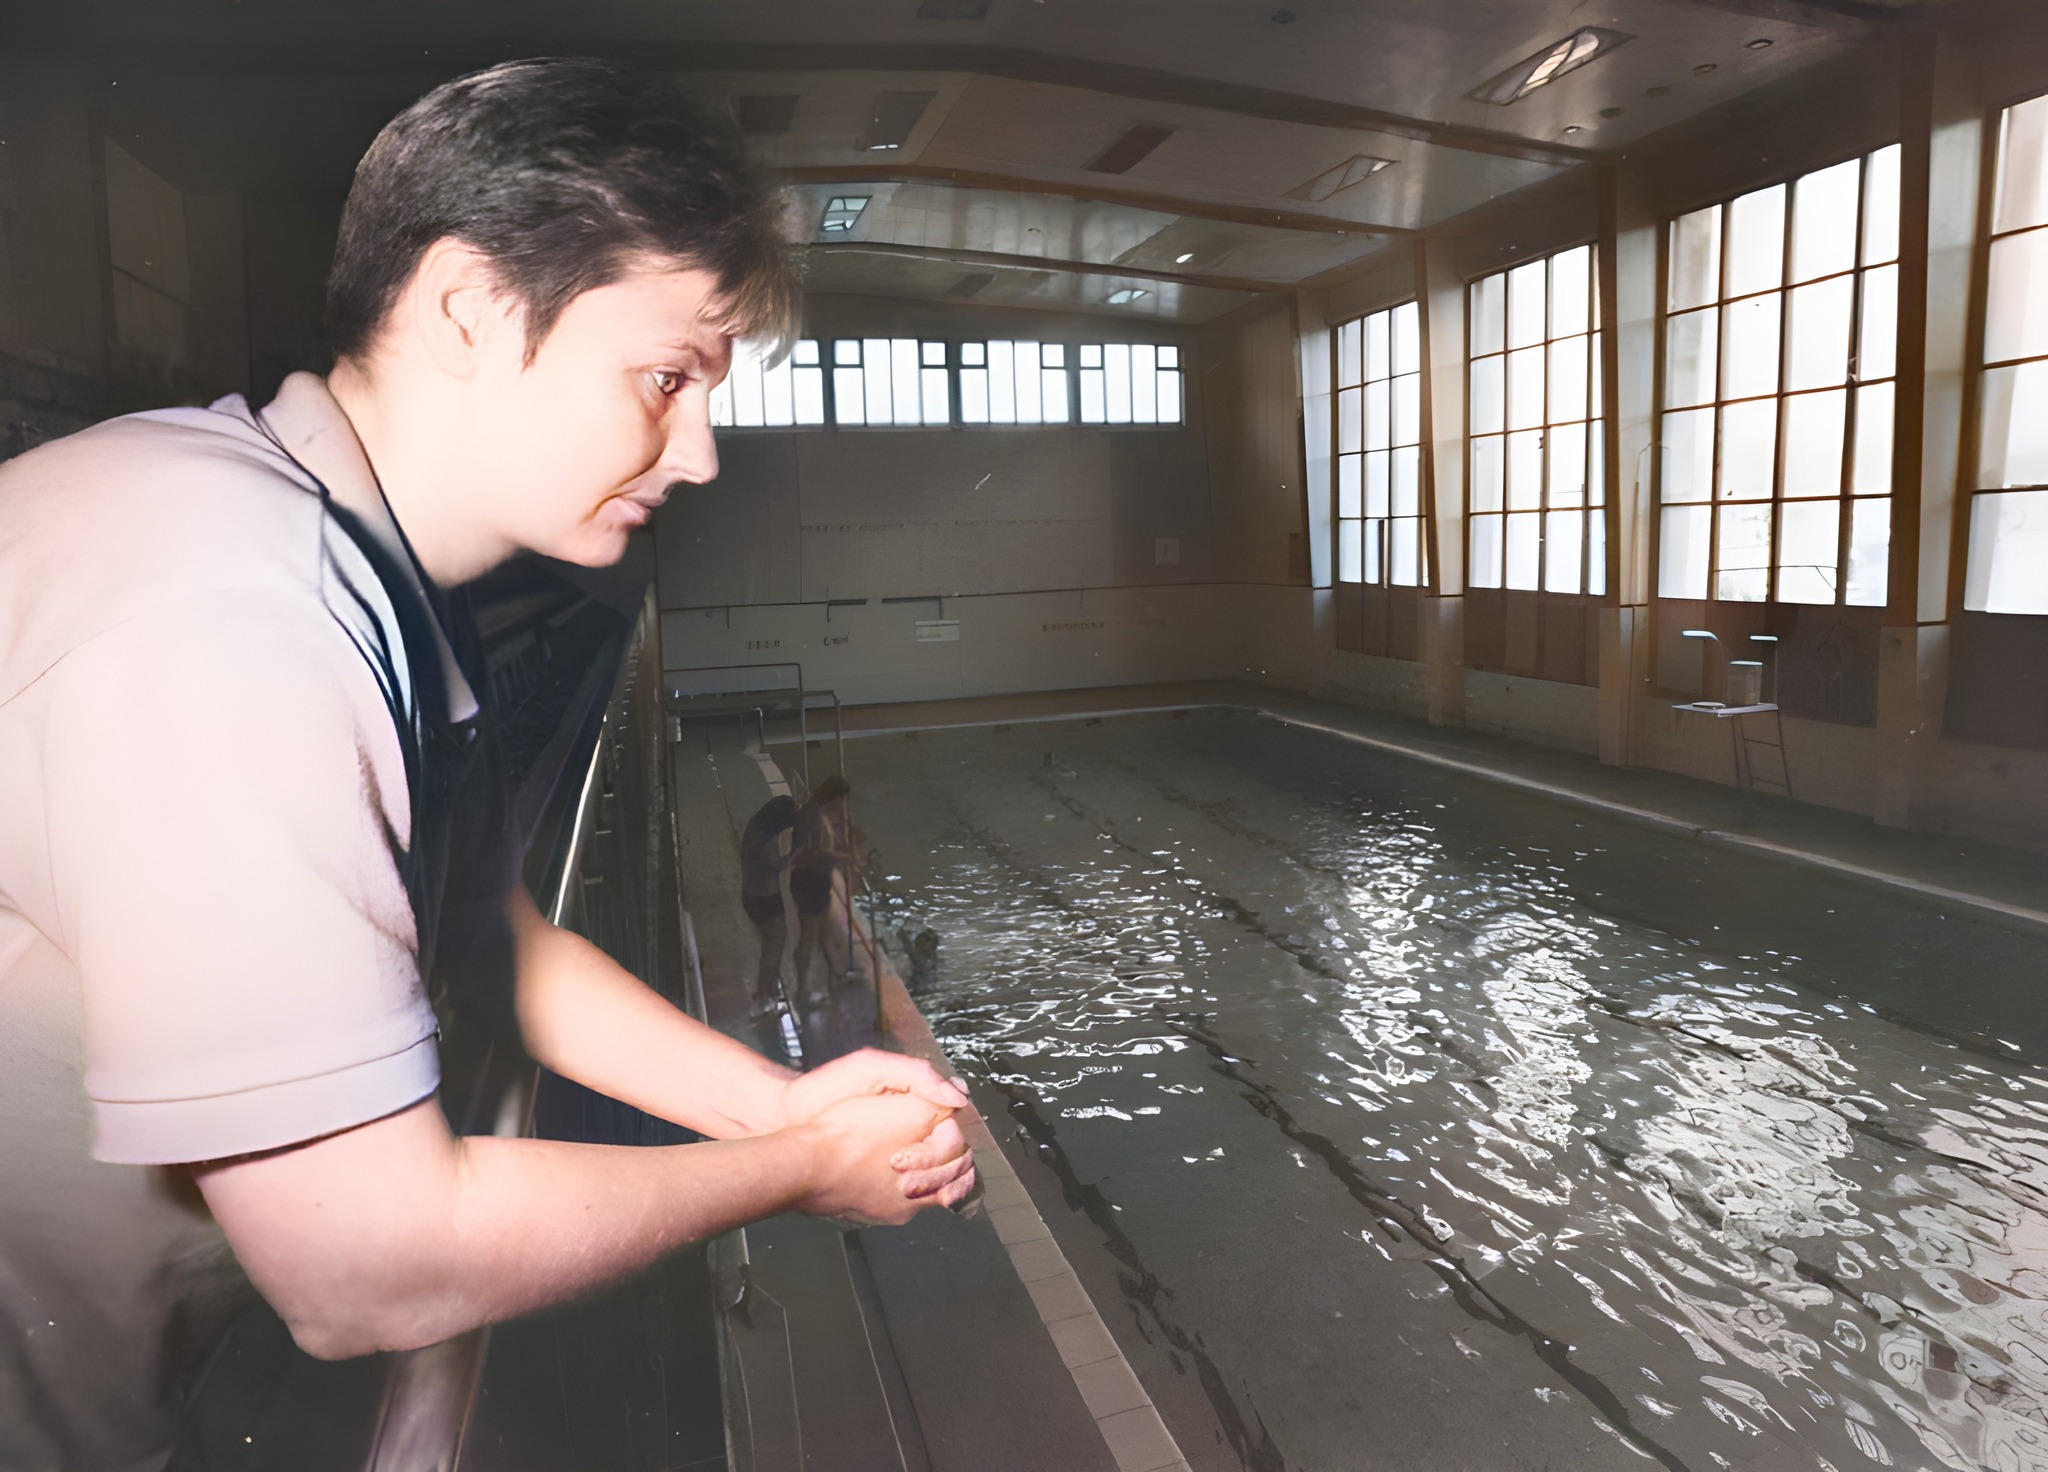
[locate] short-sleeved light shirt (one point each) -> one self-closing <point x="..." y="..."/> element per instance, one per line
<point x="207" y="946"/>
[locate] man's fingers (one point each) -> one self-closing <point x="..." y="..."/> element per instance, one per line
<point x="943" y="1145"/>
<point x="895" y="1073"/>
<point x="919" y="1184"/>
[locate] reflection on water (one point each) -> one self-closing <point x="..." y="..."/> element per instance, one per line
<point x="1738" y="1222"/>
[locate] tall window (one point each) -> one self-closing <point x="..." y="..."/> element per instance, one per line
<point x="1130" y="383"/>
<point x="1780" y="343"/>
<point x="1379" y="449"/>
<point x="1537" y="480"/>
<point x="2008" y="569"/>
<point x="756" y="396"/>
<point x="889" y="380"/>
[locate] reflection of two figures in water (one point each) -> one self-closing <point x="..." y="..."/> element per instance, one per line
<point x="793" y="859"/>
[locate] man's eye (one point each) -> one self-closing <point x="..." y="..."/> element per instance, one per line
<point x="667" y="381"/>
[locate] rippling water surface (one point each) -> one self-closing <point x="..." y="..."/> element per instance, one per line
<point x="1432" y="1125"/>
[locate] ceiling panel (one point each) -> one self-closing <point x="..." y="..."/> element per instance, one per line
<point x="844" y="272"/>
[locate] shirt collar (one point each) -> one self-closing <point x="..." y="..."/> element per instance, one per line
<point x="316" y="432"/>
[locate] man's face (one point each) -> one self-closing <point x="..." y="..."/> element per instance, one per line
<point x="579" y="446"/>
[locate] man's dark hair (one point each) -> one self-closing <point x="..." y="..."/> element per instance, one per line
<point x="831" y="789"/>
<point x="563" y="173"/>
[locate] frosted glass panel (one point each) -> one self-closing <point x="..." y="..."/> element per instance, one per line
<point x="1684" y="535"/>
<point x="1489" y="315"/>
<point x="1563" y="536"/>
<point x="1093" y="407"/>
<point x="1002" y="383"/>
<point x="1568" y="379"/>
<point x="1487" y="405"/>
<point x="1749" y="356"/>
<point x="1525" y="470"/>
<point x="1870" y="539"/>
<point x="1749" y="440"/>
<point x="974" y="395"/>
<point x="2008" y="553"/>
<point x="1408" y="409"/>
<point x="1871" y="475"/>
<point x="1144" y="383"/>
<point x="905" y="388"/>
<point x="1571" y="295"/>
<point x="1525" y="388"/>
<point x="1350" y="419"/>
<point x="1407" y="339"/>
<point x="1524" y="549"/>
<point x="1596" y="554"/>
<point x="1350" y="552"/>
<point x="1881" y="207"/>
<point x="1689" y="455"/>
<point x="2015" y="437"/>
<point x="1696" y="259"/>
<point x="1819" y="353"/>
<point x="1116" y="381"/>
<point x="1744" y="553"/>
<point x="849" y="399"/>
<point x="1486" y="551"/>
<point x="1808" y="533"/>
<point x="2016" y="316"/>
<point x="1024" y="382"/>
<point x="1527" y="305"/>
<point x="874" y="359"/>
<point x="1691" y="353"/>
<point x="1379" y="349"/>
<point x="1350" y="486"/>
<point x="1756" y="241"/>
<point x="1350" y="360"/>
<point x="2023" y="167"/>
<point x="1814" y="429"/>
<point x="1877" y="348"/>
<point x="1407" y="481"/>
<point x="936" y="394"/>
<point x="1488" y="473"/>
<point x="1567" y="446"/>
<point x="1378" y="416"/>
<point x="1824" y="221"/>
<point x="1404" y="553"/>
<point x="1378" y="480"/>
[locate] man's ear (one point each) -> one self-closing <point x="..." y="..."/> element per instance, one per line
<point x="457" y="309"/>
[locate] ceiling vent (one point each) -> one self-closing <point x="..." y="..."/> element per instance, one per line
<point x="971" y="285"/>
<point x="1130" y="149"/>
<point x="764" y="117"/>
<point x="952" y="10"/>
<point x="1354" y="170"/>
<point x="891" y="119"/>
<point x="1547" y="65"/>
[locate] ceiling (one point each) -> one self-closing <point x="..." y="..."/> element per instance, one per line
<point x="1066" y="150"/>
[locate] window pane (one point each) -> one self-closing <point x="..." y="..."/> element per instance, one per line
<point x="1525" y="470"/>
<point x="1824" y="221"/>
<point x="1696" y="260"/>
<point x="1350" y="419"/>
<point x="1487" y="473"/>
<point x="1743" y="574"/>
<point x="1349" y="342"/>
<point x="1872" y="475"/>
<point x="1808" y="534"/>
<point x="1489" y="314"/>
<point x="874" y="361"/>
<point x="1571" y="292"/>
<point x="846" y="351"/>
<point x="746" y="392"/>
<point x="1596" y="554"/>
<point x="1377" y="415"/>
<point x="1563" y="534"/>
<point x="2008" y="554"/>
<point x="1378" y="347"/>
<point x="1169" y="395"/>
<point x="904" y="387"/>
<point x="933" y="355"/>
<point x="1116" y="369"/>
<point x="1756" y="241"/>
<point x="1002" y="383"/>
<point x="1375" y="540"/>
<point x="1404" y="552"/>
<point x="1870" y="540"/>
<point x="1691" y="351"/>
<point x="1091" y="391"/>
<point x="1052" y="394"/>
<point x="1596" y="462"/>
<point x="1144" y="384"/>
<point x="808" y="385"/>
<point x="1877" y="348"/>
<point x="778" y="405"/>
<point x="1091" y="355"/>
<point x="1350" y="486"/>
<point x="1689" y="455"/>
<point x="2016" y="319"/>
<point x="1408" y="409"/>
<point x="1525" y="388"/>
<point x="974" y="354"/>
<point x="2023" y="167"/>
<point x="1487" y="404"/>
<point x="1524" y="547"/>
<point x="974" y="395"/>
<point x="1749" y="355"/>
<point x="1378" y="482"/>
<point x="1528" y="308"/>
<point x="1568" y="380"/>
<point x="2015" y="443"/>
<point x="1485" y="570"/>
<point x="1407" y="339"/>
<point x="1025" y="381"/>
<point x="1350" y="561"/>
<point x="1749" y="438"/>
<point x="1567" y="445"/>
<point x="1407" y="488"/>
<point x="1169" y="357"/>
<point x="806" y="353"/>
<point x="849" y="401"/>
<point x="936" y="395"/>
<point x="1814" y="426"/>
<point x="1820" y="334"/>
<point x="1881" y="207"/>
<point x="1682" y="547"/>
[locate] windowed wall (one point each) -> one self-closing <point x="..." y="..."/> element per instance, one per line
<point x="917" y="383"/>
<point x="1780" y="346"/>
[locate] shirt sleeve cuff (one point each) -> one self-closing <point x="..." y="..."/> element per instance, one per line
<point x="180" y="1131"/>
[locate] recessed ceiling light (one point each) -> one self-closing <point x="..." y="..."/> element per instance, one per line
<point x="1573" y="128"/>
<point x="842" y="213"/>
<point x="891" y="119"/>
<point x="1704" y="67"/>
<point x="1546" y="66"/>
<point x="1183" y="258"/>
<point x="1126" y="294"/>
<point x="1759" y="43"/>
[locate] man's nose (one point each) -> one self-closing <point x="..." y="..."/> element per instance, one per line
<point x="692" y="454"/>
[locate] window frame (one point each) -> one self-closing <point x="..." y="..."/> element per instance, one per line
<point x="1424" y="517"/>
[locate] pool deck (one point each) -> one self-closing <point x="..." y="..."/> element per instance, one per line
<point x="2004" y="885"/>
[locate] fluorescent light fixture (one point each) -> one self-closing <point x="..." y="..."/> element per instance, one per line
<point x="891" y="119"/>
<point x="842" y="213"/>
<point x="1125" y="294"/>
<point x="1547" y="65"/>
<point x="1354" y="170"/>
<point x="1763" y="638"/>
<point x="1699" y="634"/>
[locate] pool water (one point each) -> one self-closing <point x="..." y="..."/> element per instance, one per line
<point x="1423" y="1123"/>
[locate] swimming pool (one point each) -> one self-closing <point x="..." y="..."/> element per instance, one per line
<point x="1407" y="1121"/>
